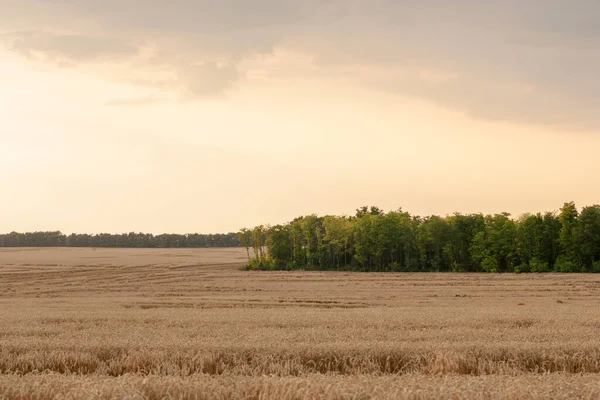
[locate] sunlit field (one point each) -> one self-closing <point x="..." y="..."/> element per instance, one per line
<point x="172" y="323"/>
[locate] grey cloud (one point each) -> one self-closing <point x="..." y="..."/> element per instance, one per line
<point x="231" y="28"/>
<point x="208" y="16"/>
<point x="532" y="62"/>
<point x="207" y="79"/>
<point x="68" y="47"/>
<point x="528" y="61"/>
<point x="193" y="38"/>
<point x="499" y="100"/>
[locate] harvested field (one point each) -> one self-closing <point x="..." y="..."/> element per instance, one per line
<point x="147" y="324"/>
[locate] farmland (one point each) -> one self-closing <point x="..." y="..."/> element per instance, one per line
<point x="181" y="323"/>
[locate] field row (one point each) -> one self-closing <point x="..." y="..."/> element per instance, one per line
<point x="408" y="387"/>
<point x="474" y="361"/>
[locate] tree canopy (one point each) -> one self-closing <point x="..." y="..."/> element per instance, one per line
<point x="127" y="240"/>
<point x="374" y="240"/>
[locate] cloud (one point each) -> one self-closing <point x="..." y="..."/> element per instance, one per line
<point x="493" y="50"/>
<point x="163" y="70"/>
<point x="437" y="76"/>
<point x="207" y="79"/>
<point x="206" y="16"/>
<point x="199" y="44"/>
<point x="135" y="101"/>
<point x="533" y="62"/>
<point x="71" y="48"/>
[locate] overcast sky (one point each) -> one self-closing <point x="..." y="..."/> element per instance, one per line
<point x="208" y="116"/>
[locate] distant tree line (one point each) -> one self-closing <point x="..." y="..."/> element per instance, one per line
<point x="127" y="240"/>
<point x="373" y="240"/>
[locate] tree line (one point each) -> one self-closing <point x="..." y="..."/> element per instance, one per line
<point x="374" y="240"/>
<point x="125" y="240"/>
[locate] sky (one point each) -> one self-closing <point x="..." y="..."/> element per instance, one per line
<point x="209" y="116"/>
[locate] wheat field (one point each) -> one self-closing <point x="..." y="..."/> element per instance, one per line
<point x="190" y="324"/>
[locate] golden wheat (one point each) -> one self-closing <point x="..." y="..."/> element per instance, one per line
<point x="79" y="323"/>
<point x="409" y="387"/>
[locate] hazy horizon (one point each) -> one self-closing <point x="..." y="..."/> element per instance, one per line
<point x="210" y="116"/>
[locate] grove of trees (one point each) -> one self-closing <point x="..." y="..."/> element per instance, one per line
<point x="129" y="240"/>
<point x="373" y="240"/>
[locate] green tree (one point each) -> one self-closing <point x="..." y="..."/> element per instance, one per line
<point x="311" y="242"/>
<point x="279" y="246"/>
<point x="463" y="229"/>
<point x="258" y="243"/>
<point x="363" y="234"/>
<point x="432" y="238"/>
<point x="366" y="210"/>
<point x="587" y="236"/>
<point x="568" y="218"/>
<point x="245" y="237"/>
<point x="494" y="248"/>
<point x="337" y="238"/>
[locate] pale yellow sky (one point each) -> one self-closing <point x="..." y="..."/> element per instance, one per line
<point x="264" y="113"/>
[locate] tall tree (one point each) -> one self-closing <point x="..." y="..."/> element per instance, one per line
<point x="279" y="246"/>
<point x="463" y="229"/>
<point x="587" y="236"/>
<point x="568" y="218"/>
<point x="432" y="238"/>
<point x="258" y="243"/>
<point x="494" y="248"/>
<point x="245" y="237"/>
